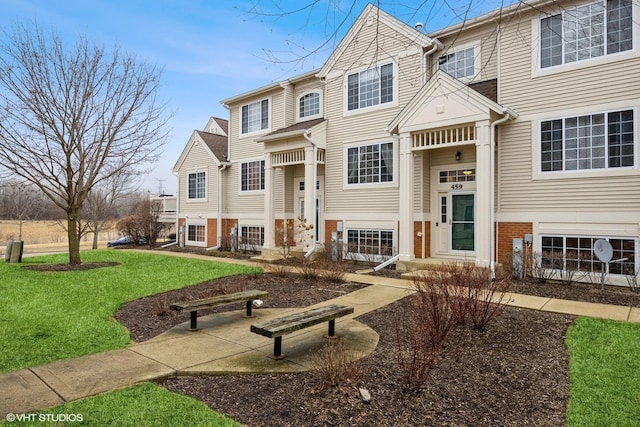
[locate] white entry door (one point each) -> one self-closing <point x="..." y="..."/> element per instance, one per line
<point x="299" y="208"/>
<point x="442" y="224"/>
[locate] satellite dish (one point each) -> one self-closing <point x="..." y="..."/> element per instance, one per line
<point x="603" y="250"/>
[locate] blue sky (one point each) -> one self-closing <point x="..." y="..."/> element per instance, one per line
<point x="211" y="50"/>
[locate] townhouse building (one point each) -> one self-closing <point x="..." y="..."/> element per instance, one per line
<point x="518" y="124"/>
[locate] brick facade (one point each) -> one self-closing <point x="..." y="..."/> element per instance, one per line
<point x="507" y="231"/>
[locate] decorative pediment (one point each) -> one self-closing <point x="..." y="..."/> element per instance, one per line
<point x="444" y="102"/>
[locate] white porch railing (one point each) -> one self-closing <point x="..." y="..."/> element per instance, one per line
<point x="436" y="138"/>
<point x="293" y="157"/>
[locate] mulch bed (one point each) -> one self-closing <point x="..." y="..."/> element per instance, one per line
<point x="514" y="373"/>
<point x="69" y="267"/>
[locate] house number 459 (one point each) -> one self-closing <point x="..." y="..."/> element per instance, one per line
<point x="456" y="186"/>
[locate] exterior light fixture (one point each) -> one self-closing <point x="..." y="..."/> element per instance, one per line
<point x="458" y="156"/>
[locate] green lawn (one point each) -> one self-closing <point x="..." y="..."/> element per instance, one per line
<point x="142" y="405"/>
<point x="49" y="316"/>
<point x="605" y="373"/>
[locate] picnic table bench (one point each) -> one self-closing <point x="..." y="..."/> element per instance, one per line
<point x="276" y="328"/>
<point x="201" y="304"/>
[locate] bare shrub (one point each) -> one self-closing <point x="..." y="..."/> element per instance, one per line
<point x="544" y="267"/>
<point x="474" y="296"/>
<point x="421" y="333"/>
<point x="162" y="306"/>
<point x="335" y="271"/>
<point x="632" y="279"/>
<point x="335" y="365"/>
<point x="309" y="269"/>
<point x="281" y="268"/>
<point x="486" y="296"/>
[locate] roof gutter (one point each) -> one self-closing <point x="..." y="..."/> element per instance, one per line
<point x="314" y="215"/>
<point x="223" y="166"/>
<point x="508" y="114"/>
<point x="436" y="44"/>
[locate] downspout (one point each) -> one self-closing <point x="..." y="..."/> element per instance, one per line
<point x="313" y="202"/>
<point x="436" y="44"/>
<point x="177" y="214"/>
<point x="223" y="165"/>
<point x="508" y="114"/>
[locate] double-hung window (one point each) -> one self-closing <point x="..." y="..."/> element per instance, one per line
<point x="252" y="237"/>
<point x="252" y="176"/>
<point x="255" y="116"/>
<point x="575" y="253"/>
<point x="592" y="30"/>
<point x="370" y="87"/>
<point x="309" y="105"/>
<point x="370" y="242"/>
<point x="197" y="184"/>
<point x="195" y="233"/>
<point x="460" y="64"/>
<point x="367" y="164"/>
<point x="588" y="142"/>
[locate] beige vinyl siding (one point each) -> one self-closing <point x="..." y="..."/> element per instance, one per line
<point x="426" y="181"/>
<point x="365" y="127"/>
<point x="587" y="88"/>
<point x="518" y="192"/>
<point x="485" y="38"/>
<point x="587" y="84"/>
<point x="198" y="159"/>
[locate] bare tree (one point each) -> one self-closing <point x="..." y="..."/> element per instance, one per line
<point x="144" y="222"/>
<point x="21" y="202"/>
<point x="100" y="204"/>
<point x="72" y="118"/>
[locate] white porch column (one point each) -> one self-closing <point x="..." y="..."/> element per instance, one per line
<point x="405" y="179"/>
<point x="309" y="202"/>
<point x="269" y="214"/>
<point x="483" y="194"/>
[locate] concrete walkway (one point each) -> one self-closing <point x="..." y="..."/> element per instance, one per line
<point x="224" y="344"/>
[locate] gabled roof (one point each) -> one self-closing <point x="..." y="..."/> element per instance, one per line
<point x="216" y="145"/>
<point x="372" y="12"/>
<point x="289" y="131"/>
<point x="443" y="101"/>
<point x="217" y="122"/>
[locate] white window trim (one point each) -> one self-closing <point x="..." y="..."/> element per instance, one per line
<point x="477" y="61"/>
<point x="320" y="106"/>
<point x="345" y="166"/>
<point x="201" y="223"/>
<point x="345" y="89"/>
<point x="242" y="245"/>
<point x="206" y="185"/>
<point x="260" y="131"/>
<point x="369" y="257"/>
<point x="595" y="236"/>
<point x="249" y="192"/>
<point x="537" y="71"/>
<point x="536" y="125"/>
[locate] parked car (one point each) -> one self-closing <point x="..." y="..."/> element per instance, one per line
<point x="126" y="240"/>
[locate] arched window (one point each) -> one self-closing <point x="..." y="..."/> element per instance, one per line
<point x="309" y="105"/>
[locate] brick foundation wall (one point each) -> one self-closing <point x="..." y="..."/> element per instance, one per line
<point x="279" y="232"/>
<point x="227" y="226"/>
<point x="212" y="232"/>
<point x="507" y="231"/>
<point x="417" y="241"/>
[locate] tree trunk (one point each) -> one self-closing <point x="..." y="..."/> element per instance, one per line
<point x="96" y="232"/>
<point x="74" y="239"/>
